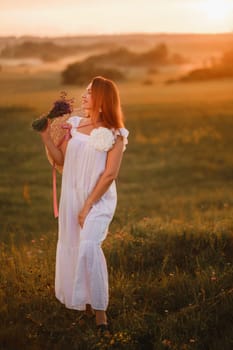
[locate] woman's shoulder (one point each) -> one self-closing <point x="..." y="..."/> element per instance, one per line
<point x="74" y="120"/>
<point x="124" y="133"/>
<point x="121" y="132"/>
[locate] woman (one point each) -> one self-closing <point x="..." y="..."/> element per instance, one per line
<point x="91" y="160"/>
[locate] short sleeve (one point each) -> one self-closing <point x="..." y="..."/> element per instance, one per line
<point x="124" y="133"/>
<point x="74" y="121"/>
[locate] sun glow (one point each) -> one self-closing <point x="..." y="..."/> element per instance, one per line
<point x="216" y="10"/>
<point x="105" y="17"/>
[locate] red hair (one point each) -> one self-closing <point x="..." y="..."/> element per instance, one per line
<point x="106" y="103"/>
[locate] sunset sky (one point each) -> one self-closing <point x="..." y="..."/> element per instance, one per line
<point x="74" y="17"/>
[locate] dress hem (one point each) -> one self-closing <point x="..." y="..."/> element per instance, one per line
<point x="73" y="307"/>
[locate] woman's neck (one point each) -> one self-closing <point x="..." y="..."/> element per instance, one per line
<point x="95" y="121"/>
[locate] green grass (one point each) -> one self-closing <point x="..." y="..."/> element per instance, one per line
<point x="169" y="249"/>
<point x="170" y="283"/>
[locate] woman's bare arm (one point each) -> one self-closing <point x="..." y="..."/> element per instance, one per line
<point x="108" y="176"/>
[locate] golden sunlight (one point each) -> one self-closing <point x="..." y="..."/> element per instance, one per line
<point x="216" y="10"/>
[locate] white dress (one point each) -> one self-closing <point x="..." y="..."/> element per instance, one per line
<point x="81" y="272"/>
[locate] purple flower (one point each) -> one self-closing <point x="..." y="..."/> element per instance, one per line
<point x="60" y="107"/>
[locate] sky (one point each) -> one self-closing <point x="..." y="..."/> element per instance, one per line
<point x="81" y="17"/>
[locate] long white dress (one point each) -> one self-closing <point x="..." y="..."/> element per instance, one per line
<point x="81" y="272"/>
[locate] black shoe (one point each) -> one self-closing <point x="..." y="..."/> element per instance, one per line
<point x="103" y="330"/>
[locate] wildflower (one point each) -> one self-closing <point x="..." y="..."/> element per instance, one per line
<point x="213" y="277"/>
<point x="26" y="194"/>
<point x="60" y="108"/>
<point x="167" y="342"/>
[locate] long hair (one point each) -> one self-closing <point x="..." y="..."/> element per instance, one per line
<point x="106" y="103"/>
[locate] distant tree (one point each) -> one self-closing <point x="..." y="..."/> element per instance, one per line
<point x="80" y="73"/>
<point x="47" y="50"/>
<point x="218" y="70"/>
<point x="159" y="55"/>
<point x="120" y="56"/>
<point x="177" y="59"/>
<point x="227" y="58"/>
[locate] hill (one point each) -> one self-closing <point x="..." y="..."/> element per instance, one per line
<point x="220" y="70"/>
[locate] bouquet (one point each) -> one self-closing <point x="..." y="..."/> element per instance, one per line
<point x="61" y="107"/>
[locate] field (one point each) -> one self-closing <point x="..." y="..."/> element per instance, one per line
<point x="169" y="249"/>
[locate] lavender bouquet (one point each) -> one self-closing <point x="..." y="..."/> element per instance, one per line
<point x="60" y="107"/>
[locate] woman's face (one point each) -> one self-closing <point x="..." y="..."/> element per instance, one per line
<point x="87" y="99"/>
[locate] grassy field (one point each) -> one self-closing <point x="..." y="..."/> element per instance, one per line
<point x="169" y="249"/>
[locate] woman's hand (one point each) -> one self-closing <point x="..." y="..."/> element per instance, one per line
<point x="45" y="134"/>
<point x="83" y="214"/>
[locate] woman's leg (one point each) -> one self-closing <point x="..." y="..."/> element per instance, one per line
<point x="89" y="311"/>
<point x="100" y="317"/>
